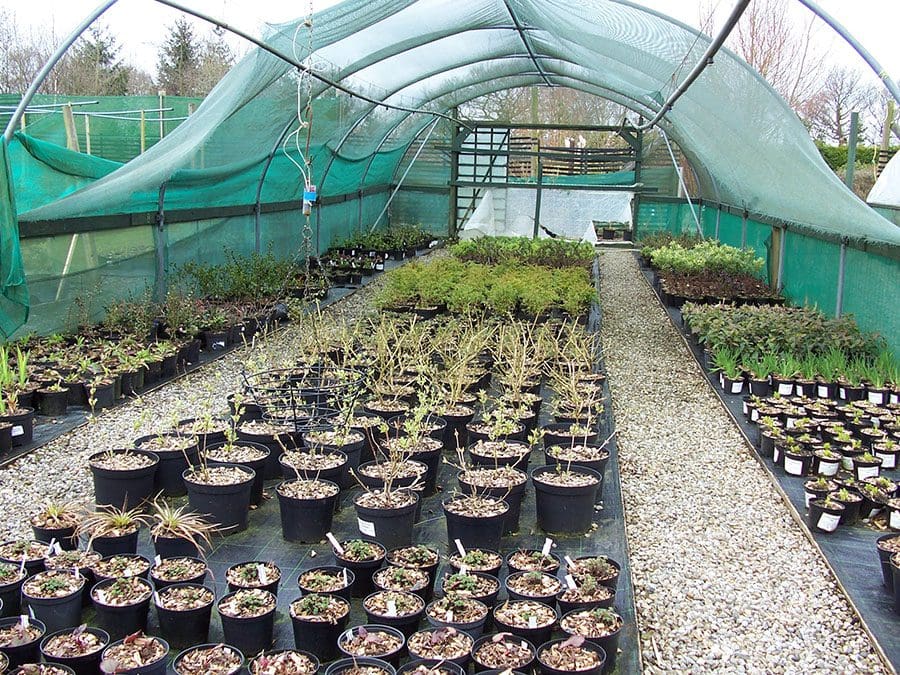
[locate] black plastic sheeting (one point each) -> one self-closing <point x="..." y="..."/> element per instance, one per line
<point x="850" y="550"/>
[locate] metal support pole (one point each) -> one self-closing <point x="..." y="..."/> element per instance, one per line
<point x="257" y="228"/>
<point x="782" y="243"/>
<point x="160" y="235"/>
<point x="538" y="198"/>
<point x="405" y="174"/>
<point x="143" y="132"/>
<point x="87" y="134"/>
<point x="851" y="149"/>
<point x="718" y="220"/>
<point x="744" y="229"/>
<point x="453" y="217"/>
<point x="71" y="129"/>
<point x="842" y="268"/>
<point x="162" y="123"/>
<point x="39" y="79"/>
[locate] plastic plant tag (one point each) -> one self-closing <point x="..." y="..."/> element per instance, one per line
<point x="128" y="574"/>
<point x="867" y="472"/>
<point x="793" y="467"/>
<point x="55" y="548"/>
<point x="346" y="580"/>
<point x="448" y="617"/>
<point x="463" y="570"/>
<point x="366" y="527"/>
<point x="548" y="544"/>
<point x="24" y="621"/>
<point x="894" y="521"/>
<point x="809" y="497"/>
<point x="18" y="430"/>
<point x="22" y="567"/>
<point x="158" y="560"/>
<point x="888" y="461"/>
<point x="786" y="388"/>
<point x="842" y="393"/>
<point x="822" y="391"/>
<point x="828" y="522"/>
<point x="569" y="561"/>
<point x="532" y="622"/>
<point x="263" y="574"/>
<point x="459" y="547"/>
<point x="391" y="608"/>
<point x="335" y="544"/>
<point x="570" y="582"/>
<point x="156" y="598"/>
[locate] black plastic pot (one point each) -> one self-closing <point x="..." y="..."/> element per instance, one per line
<point x="187" y="627"/>
<point x="120" y="621"/>
<point x="124" y="489"/>
<point x="474" y="629"/>
<point x="26" y="653"/>
<point x="335" y="474"/>
<point x="227" y="505"/>
<point x="406" y="624"/>
<point x="271" y="587"/>
<point x="393" y="658"/>
<point x="172" y="465"/>
<point x="198" y="580"/>
<point x="823" y="519"/>
<point x="432" y="460"/>
<point x="566" y="606"/>
<point x="307" y="520"/>
<point x="353" y="451"/>
<point x="56" y="613"/>
<point x="363" y="571"/>
<point x="548" y="670"/>
<point x="174" y="547"/>
<point x="491" y="598"/>
<point x="252" y="634"/>
<point x="475" y="531"/>
<point x="276" y="443"/>
<point x="536" y="636"/>
<point x="65" y="536"/>
<point x="52" y="403"/>
<point x="176" y="663"/>
<point x="319" y="637"/>
<point x="10" y="597"/>
<point x="157" y="667"/>
<point x="456" y="428"/>
<point x="513" y="496"/>
<point x="884" y="557"/>
<point x="22" y="431"/>
<point x="609" y="644"/>
<point x="344" y="593"/>
<point x="376" y="482"/>
<point x="549" y="599"/>
<point x="342" y="665"/>
<point x="519" y="461"/>
<point x="462" y="660"/>
<point x="564" y="510"/>
<point x="392" y="528"/>
<point x="450" y="667"/>
<point x="557" y="434"/>
<point x="484" y="668"/>
<point x="895" y="574"/>
<point x="258" y="466"/>
<point x="89" y="664"/>
<point x="107" y="546"/>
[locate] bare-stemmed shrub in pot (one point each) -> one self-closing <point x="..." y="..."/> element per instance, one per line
<point x="222" y="493"/>
<point x="307" y="508"/>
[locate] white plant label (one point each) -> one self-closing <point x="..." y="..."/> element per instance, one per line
<point x="346" y="580"/>
<point x="822" y="391"/>
<point x="790" y="422"/>
<point x="793" y="466"/>
<point x="459" y="547"/>
<point x="569" y="561"/>
<point x="335" y="544"/>
<point x="828" y="468"/>
<point x="754" y="415"/>
<point x="391" y="608"/>
<point x="18" y="430"/>
<point x="888" y="461"/>
<point x="786" y="388"/>
<point x="75" y="572"/>
<point x="263" y="574"/>
<point x="158" y="560"/>
<point x="867" y="472"/>
<point x="847" y="463"/>
<point x="23" y="619"/>
<point x="463" y="570"/>
<point x="156" y="598"/>
<point x="219" y="344"/>
<point x="366" y="527"/>
<point x="548" y="544"/>
<point x="873" y="513"/>
<point x="721" y="380"/>
<point x="828" y="522"/>
<point x="532" y="622"/>
<point x="31" y="612"/>
<point x="842" y="393"/>
<point x="876" y="397"/>
<point x="55" y="548"/>
<point x="22" y="567"/>
<point x="448" y="617"/>
<point x="809" y="497"/>
<point x="895" y="520"/>
<point x="737" y="387"/>
<point x="570" y="582"/>
<point x="128" y="574"/>
<point x="776" y="454"/>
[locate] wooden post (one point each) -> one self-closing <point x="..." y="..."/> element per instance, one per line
<point x="162" y="104"/>
<point x="71" y="131"/>
<point x="24" y="123"/>
<point x="87" y="134"/>
<point x="143" y="132"/>
<point x="885" y="138"/>
<point x="851" y="149"/>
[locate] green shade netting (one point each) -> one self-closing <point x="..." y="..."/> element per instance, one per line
<point x="13" y="290"/>
<point x="749" y="148"/>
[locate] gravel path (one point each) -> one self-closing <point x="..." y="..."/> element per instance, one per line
<point x="58" y="471"/>
<point x="724" y="579"/>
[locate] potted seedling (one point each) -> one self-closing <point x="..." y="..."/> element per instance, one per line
<point x="420" y="558"/>
<point x="111" y="530"/>
<point x="852" y="502"/>
<point x="571" y="655"/>
<point x="20" y="639"/>
<point x="824" y="514"/>
<point x="177" y="531"/>
<point x="211" y="658"/>
<point x="477" y="560"/>
<point x="78" y="648"/>
<point x="176" y="453"/>
<point x="532" y="560"/>
<point x="866" y="465"/>
<point x="362" y="558"/>
<point x="460" y="612"/>
<point x="601" y="626"/>
<point x="136" y="654"/>
<point x="11" y="578"/>
<point x="587" y="593"/>
<point x="503" y="652"/>
<point x="184" y="611"/>
<point x="222" y="493"/>
<point x="58" y="522"/>
<point x="375" y="641"/>
<point x="318" y="620"/>
<point x="284" y="662"/>
<point x="180" y="570"/>
<point x="529" y="619"/>
<point x="392" y="578"/>
<point x="398" y="609"/>
<point x="244" y="453"/>
<point x="533" y="586"/>
<point x="248" y="619"/>
<point x="441" y="644"/>
<point x="29" y="554"/>
<point x="121" y="565"/>
<point x="122" y="605"/>
<point x="332" y="580"/>
<point x="501" y="482"/>
<point x="253" y="575"/>
<point x="54" y="598"/>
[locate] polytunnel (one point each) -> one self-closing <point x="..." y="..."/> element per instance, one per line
<point x="228" y="176"/>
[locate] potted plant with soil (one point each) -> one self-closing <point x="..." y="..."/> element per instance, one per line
<point x="244" y="453"/>
<point x="221" y="659"/>
<point x="501" y="482"/>
<point x="503" y="652"/>
<point x="123" y="478"/>
<point x="54" y="598"/>
<point x="887" y="546"/>
<point x="818" y="488"/>
<point x="477" y="560"/>
<point x="136" y="654"/>
<point x="866" y="465"/>
<point x="420" y="558"/>
<point x="474" y="520"/>
<point x="122" y="605"/>
<point x="176" y="453"/>
<point x="121" y="565"/>
<point x="532" y="560"/>
<point x="460" y="612"/>
<point x="248" y="619"/>
<point x="27" y="553"/>
<point x="387" y="515"/>
<point x="587" y="593"/>
<point x="327" y="580"/>
<point x="423" y="667"/>
<point x="824" y="515"/>
<point x="78" y="648"/>
<point x="533" y="586"/>
<point x="222" y="493"/>
<point x="600" y="626"/>
<point x="284" y="662"/>
<point x="182" y="570"/>
<point x="398" y="609"/>
<point x="112" y="531"/>
<point x="392" y="578"/>
<point x="20" y="639"/>
<point x="328" y="465"/>
<point x="826" y="462"/>
<point x="362" y="558"/>
<point x="19" y="417"/>
<point x="58" y="522"/>
<point x="307" y="508"/>
<point x="178" y="532"/>
<point x="254" y="574"/>
<point x="565" y="497"/>
<point x="441" y="644"/>
<point x="11" y="578"/>
<point x="601" y="568"/>
<point x="852" y="502"/>
<point x="529" y="619"/>
<point x="494" y="453"/>
<point x="318" y="620"/>
<point x="571" y="655"/>
<point x="372" y="640"/>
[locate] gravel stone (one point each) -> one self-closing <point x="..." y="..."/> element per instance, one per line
<point x="724" y="578"/>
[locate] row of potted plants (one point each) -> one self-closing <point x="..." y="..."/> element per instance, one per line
<point x="558" y="253"/>
<point x="397" y="241"/>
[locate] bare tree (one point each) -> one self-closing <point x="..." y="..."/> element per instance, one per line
<point x="844" y="92"/>
<point x="22" y="54"/>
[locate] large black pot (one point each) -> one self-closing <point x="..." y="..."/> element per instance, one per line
<point x="511" y="495"/>
<point x="392" y="528"/>
<point x="120" y="621"/>
<point x="564" y="509"/>
<point x="475" y="531"/>
<point x="227" y="505"/>
<point x="307" y="520"/>
<point x="186" y="627"/>
<point x="124" y="489"/>
<point x="25" y="653"/>
<point x="258" y="466"/>
<point x="89" y="664"/>
<point x="172" y="464"/>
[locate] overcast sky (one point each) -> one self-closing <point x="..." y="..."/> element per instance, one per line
<point x="140" y="25"/>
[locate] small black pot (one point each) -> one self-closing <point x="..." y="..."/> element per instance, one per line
<point x="198" y="580"/>
<point x="567" y="510"/>
<point x="482" y="667"/>
<point x="22" y="431"/>
<point x="65" y="536"/>
<point x="107" y="546"/>
<point x="174" y="547"/>
<point x="363" y="571"/>
<point x="406" y="624"/>
<point x="475" y="532"/>
<point x="534" y="635"/>
<point x="548" y="670"/>
<point x="342" y="665"/>
<point x="344" y="593"/>
<point x="27" y="653"/>
<point x="258" y="465"/>
<point x="176" y="663"/>
<point x="156" y="668"/>
<point x="319" y="637"/>
<point x="451" y="667"/>
<point x="823" y="519"/>
<point x="884" y="557"/>
<point x="56" y="613"/>
<point x="474" y="629"/>
<point x="271" y="587"/>
<point x="121" y="621"/>
<point x="251" y="635"/>
<point x="549" y="599"/>
<point x="462" y="661"/>
<point x="307" y="520"/>
<point x="52" y="403"/>
<point x="10" y="597"/>
<point x="227" y="505"/>
<point x="172" y="465"/>
<point x="188" y="627"/>
<point x="89" y="664"/>
<point x="609" y="644"/>
<point x="124" y="489"/>
<point x="393" y="658"/>
<point x="392" y="528"/>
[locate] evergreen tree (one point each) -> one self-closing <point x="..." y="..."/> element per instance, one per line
<point x="94" y="67"/>
<point x="179" y="61"/>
